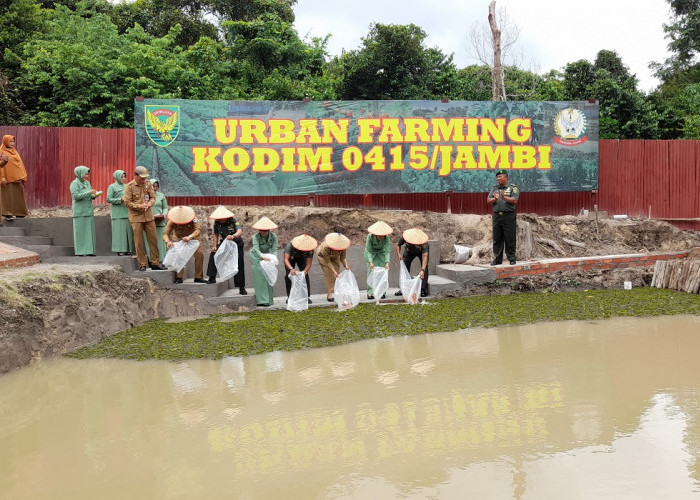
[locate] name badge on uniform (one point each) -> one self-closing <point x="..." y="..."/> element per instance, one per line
<point x="147" y="197"/>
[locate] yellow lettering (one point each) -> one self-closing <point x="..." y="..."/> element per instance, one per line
<point x="236" y="160"/>
<point x="493" y="157"/>
<point x="205" y="160"/>
<point x="519" y="129"/>
<point x="493" y="130"/>
<point x="225" y="130"/>
<point x="367" y="128"/>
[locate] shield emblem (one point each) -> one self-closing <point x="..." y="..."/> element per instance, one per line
<point x="162" y="123"/>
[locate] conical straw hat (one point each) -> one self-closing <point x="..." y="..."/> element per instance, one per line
<point x="380" y="228"/>
<point x="264" y="224"/>
<point x="337" y="241"/>
<point x="221" y="213"/>
<point x="304" y="243"/>
<point x="415" y="236"/>
<point x="181" y="215"/>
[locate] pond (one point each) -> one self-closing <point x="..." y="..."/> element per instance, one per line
<point x="589" y="409"/>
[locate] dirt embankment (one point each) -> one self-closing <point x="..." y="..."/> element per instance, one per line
<point x="538" y="236"/>
<point x="48" y="309"/>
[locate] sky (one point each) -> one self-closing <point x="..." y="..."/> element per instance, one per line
<point x="552" y="33"/>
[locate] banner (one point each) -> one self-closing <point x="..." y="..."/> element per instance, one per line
<point x="267" y="148"/>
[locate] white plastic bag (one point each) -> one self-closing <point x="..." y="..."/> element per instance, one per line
<point x="410" y="287"/>
<point x="269" y="268"/>
<point x="299" y="295"/>
<point x="462" y="254"/>
<point x="180" y="253"/>
<point x="226" y="259"/>
<point x="378" y="280"/>
<point x="346" y="292"/>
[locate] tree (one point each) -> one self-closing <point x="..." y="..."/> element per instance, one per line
<point x="393" y="63"/>
<point x="493" y="44"/>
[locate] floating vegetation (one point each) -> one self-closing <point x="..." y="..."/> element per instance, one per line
<point x="240" y="334"/>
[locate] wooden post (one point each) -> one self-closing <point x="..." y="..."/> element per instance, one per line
<point x="597" y="233"/>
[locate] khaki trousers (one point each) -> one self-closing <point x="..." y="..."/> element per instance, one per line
<point x="198" y="264"/>
<point x="149" y="228"/>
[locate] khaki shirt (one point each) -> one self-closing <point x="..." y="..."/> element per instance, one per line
<point x="135" y="196"/>
<point x="175" y="232"/>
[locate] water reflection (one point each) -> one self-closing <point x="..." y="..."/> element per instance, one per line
<point x="603" y="409"/>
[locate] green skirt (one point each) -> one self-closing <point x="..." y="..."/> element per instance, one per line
<point x="122" y="236"/>
<point x="263" y="291"/>
<point x="84" y="235"/>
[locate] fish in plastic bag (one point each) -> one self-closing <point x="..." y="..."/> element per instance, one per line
<point x="346" y="292"/>
<point x="226" y="259"/>
<point x="180" y="253"/>
<point x="269" y="268"/>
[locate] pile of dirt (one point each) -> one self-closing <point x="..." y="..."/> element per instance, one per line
<point x="538" y="236"/>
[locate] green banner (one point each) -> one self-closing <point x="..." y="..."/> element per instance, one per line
<point x="267" y="148"/>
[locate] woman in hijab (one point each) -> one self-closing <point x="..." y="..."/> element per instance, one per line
<point x="331" y="256"/>
<point x="12" y="182"/>
<point x="122" y="236"/>
<point x="83" y="212"/>
<point x="264" y="241"/>
<point x="160" y="212"/>
<point x="377" y="249"/>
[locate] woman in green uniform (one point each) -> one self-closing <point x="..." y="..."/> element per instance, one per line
<point x="160" y="211"/>
<point x="122" y="236"/>
<point x="264" y="241"/>
<point x="81" y="191"/>
<point x="377" y="249"/>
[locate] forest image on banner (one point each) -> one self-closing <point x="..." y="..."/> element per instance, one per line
<point x="267" y="148"/>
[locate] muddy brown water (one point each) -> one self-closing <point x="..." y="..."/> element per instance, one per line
<point x="603" y="409"/>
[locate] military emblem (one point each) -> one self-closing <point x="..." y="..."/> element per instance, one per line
<point x="162" y="124"/>
<point x="570" y="126"/>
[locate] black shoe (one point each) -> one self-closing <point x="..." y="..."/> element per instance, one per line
<point x="370" y="297"/>
<point x="243" y="291"/>
<point x="211" y="280"/>
<point x="263" y="305"/>
<point x="330" y="299"/>
<point x="177" y="281"/>
<point x="142" y="268"/>
<point x="159" y="267"/>
<point x="495" y="263"/>
<point x="200" y="280"/>
<point x="423" y="294"/>
<point x="121" y="254"/>
<point x="310" y="301"/>
<point x="384" y="296"/>
<point x="512" y="262"/>
<point x="91" y="255"/>
<point x="398" y="293"/>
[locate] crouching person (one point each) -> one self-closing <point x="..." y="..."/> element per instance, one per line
<point x="182" y="225"/>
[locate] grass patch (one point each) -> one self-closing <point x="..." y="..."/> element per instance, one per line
<point x="265" y="331"/>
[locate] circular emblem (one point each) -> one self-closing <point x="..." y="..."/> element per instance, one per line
<point x="570" y="125"/>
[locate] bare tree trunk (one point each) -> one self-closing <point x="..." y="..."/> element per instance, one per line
<point x="496" y="68"/>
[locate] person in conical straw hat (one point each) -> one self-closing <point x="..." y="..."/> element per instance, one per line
<point x="226" y="227"/>
<point x="331" y="256"/>
<point x="264" y="241"/>
<point x="416" y="246"/>
<point x="377" y="249"/>
<point x="183" y="226"/>
<point x="300" y="253"/>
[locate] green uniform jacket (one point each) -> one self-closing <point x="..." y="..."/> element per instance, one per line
<point x="82" y="197"/>
<point x="115" y="191"/>
<point x="378" y="252"/>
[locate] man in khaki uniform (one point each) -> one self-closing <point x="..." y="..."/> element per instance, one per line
<point x="182" y="225"/>
<point x="139" y="197"/>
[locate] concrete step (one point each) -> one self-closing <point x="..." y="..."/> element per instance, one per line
<point x="48" y="251"/>
<point x="6" y="230"/>
<point x="23" y="241"/>
<point x="125" y="262"/>
<point x="440" y="284"/>
<point x="208" y="290"/>
<point x="464" y="273"/>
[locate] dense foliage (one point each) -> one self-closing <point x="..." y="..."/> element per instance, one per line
<point x="82" y="62"/>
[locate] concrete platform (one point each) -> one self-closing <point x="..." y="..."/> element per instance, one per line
<point x="11" y="256"/>
<point x="467" y="274"/>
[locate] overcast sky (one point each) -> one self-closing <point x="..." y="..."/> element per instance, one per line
<point x="552" y="33"/>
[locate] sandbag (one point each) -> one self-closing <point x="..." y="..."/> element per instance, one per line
<point x="346" y="292"/>
<point x="410" y="287"/>
<point x="269" y="268"/>
<point x="299" y="295"/>
<point x="226" y="259"/>
<point x="462" y="254"/>
<point x="378" y="280"/>
<point x="180" y="253"/>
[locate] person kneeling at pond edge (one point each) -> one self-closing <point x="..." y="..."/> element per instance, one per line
<point x="377" y="249"/>
<point x="182" y="225"/>
<point x="226" y="227"/>
<point x="417" y="245"/>
<point x="264" y="241"/>
<point x="300" y="253"/>
<point x="331" y="256"/>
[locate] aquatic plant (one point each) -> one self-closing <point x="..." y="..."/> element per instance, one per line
<point x="264" y="331"/>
